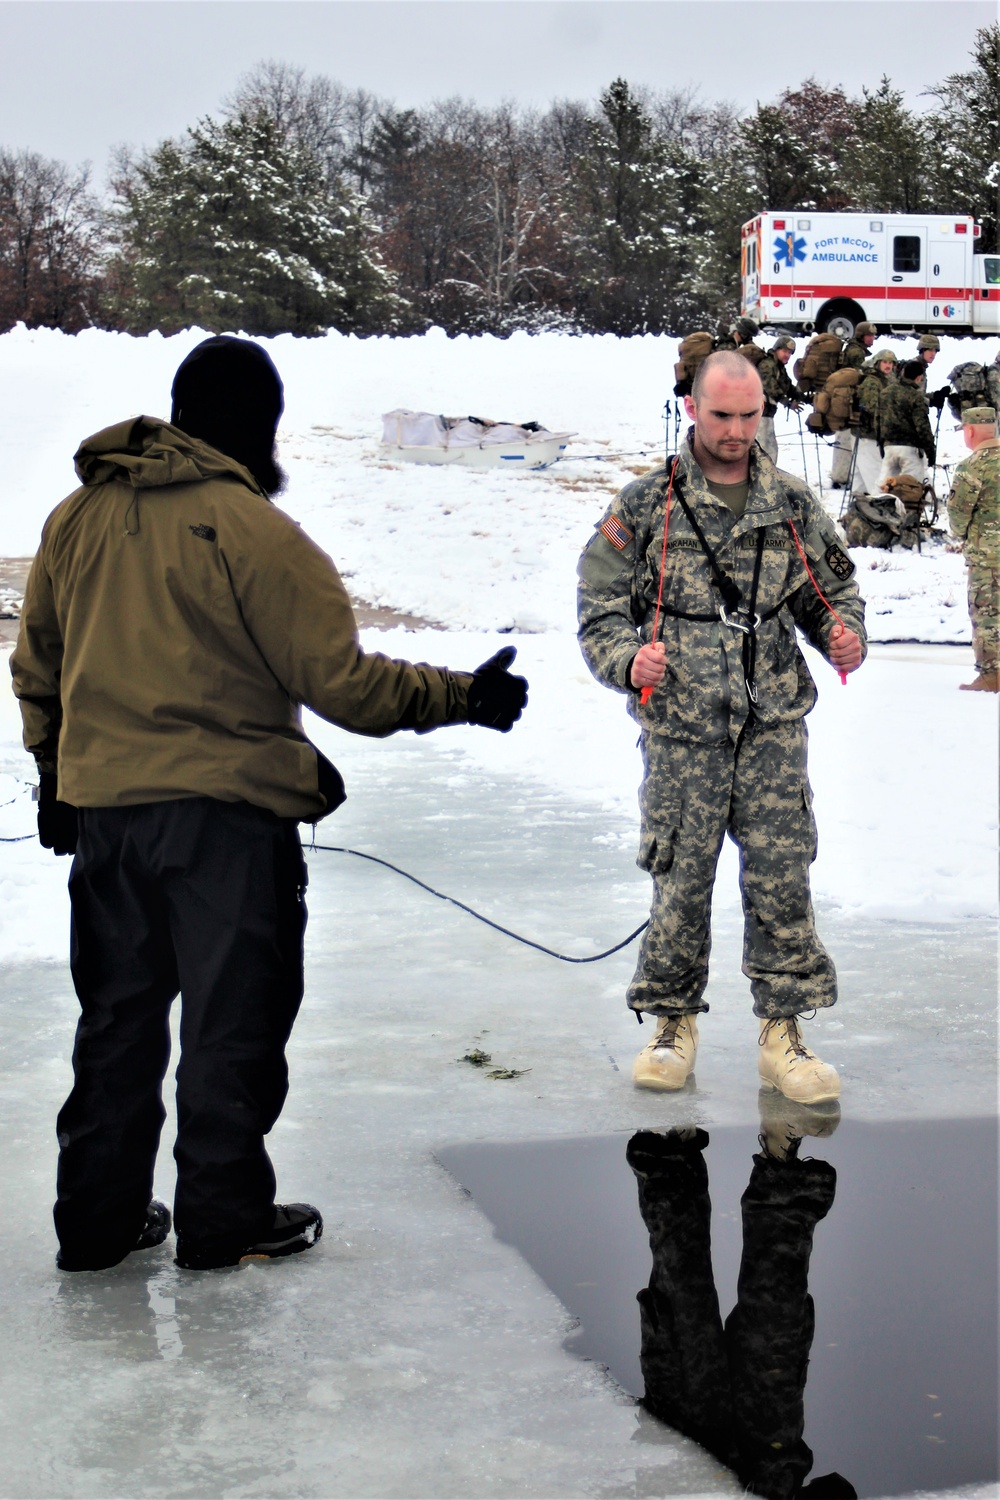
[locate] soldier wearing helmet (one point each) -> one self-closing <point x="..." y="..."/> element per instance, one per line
<point x="857" y="351"/>
<point x="853" y="356"/>
<point x="779" y="390"/>
<point x="878" y="375"/>
<point x="743" y="331"/>
<point x="928" y="347"/>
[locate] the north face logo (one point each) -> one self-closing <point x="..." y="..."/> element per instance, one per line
<point x="207" y="533"/>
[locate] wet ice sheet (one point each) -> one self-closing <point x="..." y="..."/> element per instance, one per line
<point x="412" y="1353"/>
<point x="902" y="1381"/>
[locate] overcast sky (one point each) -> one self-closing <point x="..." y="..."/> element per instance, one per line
<point x="79" y="76"/>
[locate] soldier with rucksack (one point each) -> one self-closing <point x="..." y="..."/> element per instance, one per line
<point x="779" y="390"/>
<point x="692" y="353"/>
<point x="853" y="357"/>
<point x="905" y="437"/>
<point x="741" y="333"/>
<point x="856" y="352"/>
<point x="876" y="379"/>
<point x="696" y="347"/>
<point x="974" y="385"/>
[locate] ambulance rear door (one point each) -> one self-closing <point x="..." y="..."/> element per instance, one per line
<point x="906" y="272"/>
<point x="949" y="274"/>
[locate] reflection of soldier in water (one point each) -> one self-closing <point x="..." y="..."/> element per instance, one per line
<point x="737" y="1390"/>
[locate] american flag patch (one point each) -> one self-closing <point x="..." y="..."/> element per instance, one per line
<point x="618" y="535"/>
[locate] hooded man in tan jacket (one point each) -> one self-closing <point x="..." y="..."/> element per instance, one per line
<point x="174" y="622"/>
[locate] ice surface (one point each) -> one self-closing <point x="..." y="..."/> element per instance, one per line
<point x="411" y="1353"/>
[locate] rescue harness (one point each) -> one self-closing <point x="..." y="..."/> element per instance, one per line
<point x="731" y="610"/>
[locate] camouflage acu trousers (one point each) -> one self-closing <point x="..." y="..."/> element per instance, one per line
<point x="984" y="612"/>
<point x="757" y="792"/>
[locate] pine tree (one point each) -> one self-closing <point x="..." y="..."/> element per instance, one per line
<point x="964" y="139"/>
<point x="238" y="227"/>
<point x="887" y="169"/>
<point x="627" y="212"/>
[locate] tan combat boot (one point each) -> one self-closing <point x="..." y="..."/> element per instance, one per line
<point x="786" y="1064"/>
<point x="666" y="1062"/>
<point x="988" y="681"/>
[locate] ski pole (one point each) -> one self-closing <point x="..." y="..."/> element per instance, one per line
<point x="849" y="483"/>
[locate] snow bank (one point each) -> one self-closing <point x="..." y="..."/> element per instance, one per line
<point x="486" y="551"/>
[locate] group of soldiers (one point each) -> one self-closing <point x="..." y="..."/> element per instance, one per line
<point x="893" y="438"/>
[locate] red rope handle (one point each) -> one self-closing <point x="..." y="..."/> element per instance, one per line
<point x="812" y="580"/>
<point x="647" y="692"/>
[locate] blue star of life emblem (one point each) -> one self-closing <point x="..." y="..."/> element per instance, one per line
<point x="789" y="248"/>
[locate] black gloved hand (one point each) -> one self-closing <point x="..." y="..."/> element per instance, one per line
<point x="57" y="821"/>
<point x="495" y="697"/>
<point x="938" y="398"/>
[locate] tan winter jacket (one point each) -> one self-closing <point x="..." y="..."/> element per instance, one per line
<point x="173" y="623"/>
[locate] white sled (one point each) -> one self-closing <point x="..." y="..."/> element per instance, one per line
<point x="420" y="437"/>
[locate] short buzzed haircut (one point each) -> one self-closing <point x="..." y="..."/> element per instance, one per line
<point x="732" y="364"/>
<point x="913" y="369"/>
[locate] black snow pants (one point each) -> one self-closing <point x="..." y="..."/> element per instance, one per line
<point x="206" y="899"/>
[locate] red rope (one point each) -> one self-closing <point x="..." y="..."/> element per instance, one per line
<point x="647" y="692"/>
<point x="812" y="580"/>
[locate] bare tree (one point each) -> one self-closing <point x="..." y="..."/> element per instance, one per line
<point x="50" y="243"/>
<point x="309" y="109"/>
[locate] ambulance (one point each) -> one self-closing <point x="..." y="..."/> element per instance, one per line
<point x="805" y="272"/>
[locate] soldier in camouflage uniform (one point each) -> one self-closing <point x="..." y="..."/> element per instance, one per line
<point x="857" y="350"/>
<point x="743" y="331"/>
<point x="723" y="742"/>
<point x="928" y="348"/>
<point x="906" y="439"/>
<point x="853" y="356"/>
<point x="779" y="390"/>
<point x="879" y="374"/>
<point x="974" y="517"/>
<point x="993" y="385"/>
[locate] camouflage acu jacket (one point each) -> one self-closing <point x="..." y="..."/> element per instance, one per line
<point x="869" y="402"/>
<point x="903" y="417"/>
<point x="974" y="504"/>
<point x="778" y="387"/>
<point x="854" y="355"/>
<point x="703" y="696"/>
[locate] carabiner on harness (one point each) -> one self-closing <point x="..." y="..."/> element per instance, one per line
<point x="739" y="619"/>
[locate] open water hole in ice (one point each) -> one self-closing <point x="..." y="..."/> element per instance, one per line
<point x="901" y="1385"/>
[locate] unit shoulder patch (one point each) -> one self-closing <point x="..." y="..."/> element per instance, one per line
<point x="838" y="562"/>
<point x="618" y="535"/>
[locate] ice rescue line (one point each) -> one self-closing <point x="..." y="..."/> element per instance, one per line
<point x="804" y="271"/>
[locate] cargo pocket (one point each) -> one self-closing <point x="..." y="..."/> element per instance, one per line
<point x="656" y="848"/>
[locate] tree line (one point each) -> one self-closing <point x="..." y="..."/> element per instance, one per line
<point x="303" y="206"/>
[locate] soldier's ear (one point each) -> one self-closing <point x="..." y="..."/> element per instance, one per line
<point x="690" y="407"/>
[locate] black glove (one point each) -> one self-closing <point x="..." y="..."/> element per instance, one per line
<point x="938" y="398"/>
<point x="495" y="697"/>
<point x="57" y="821"/>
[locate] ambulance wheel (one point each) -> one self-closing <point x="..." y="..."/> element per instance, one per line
<point x="840" y="318"/>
